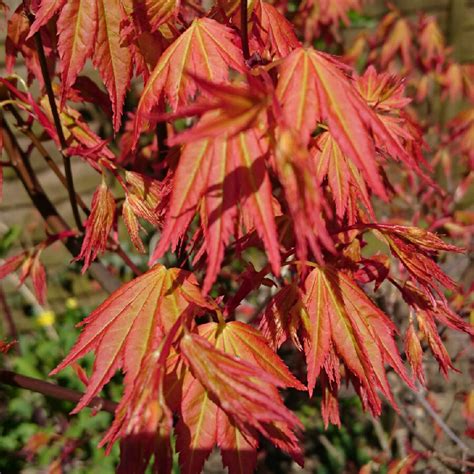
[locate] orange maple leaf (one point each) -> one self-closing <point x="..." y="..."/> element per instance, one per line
<point x="230" y="394"/>
<point x="130" y="323"/>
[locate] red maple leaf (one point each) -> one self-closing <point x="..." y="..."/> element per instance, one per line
<point x="230" y="395"/>
<point x="130" y="323"/>
<point x="224" y="172"/>
<point x="206" y="50"/>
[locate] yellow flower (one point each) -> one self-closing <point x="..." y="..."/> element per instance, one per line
<point x="46" y="318"/>
<point x="71" y="303"/>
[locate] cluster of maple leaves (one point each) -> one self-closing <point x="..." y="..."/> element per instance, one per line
<point x="271" y="144"/>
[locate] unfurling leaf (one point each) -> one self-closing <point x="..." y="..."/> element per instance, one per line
<point x="144" y="198"/>
<point x="282" y="317"/>
<point x="405" y="465"/>
<point x="38" y="276"/>
<point x="29" y="265"/>
<point x="324" y="15"/>
<point x="429" y="310"/>
<point x="98" y="225"/>
<point x="17" y="42"/>
<point x="11" y="264"/>
<point x="133" y="226"/>
<point x="156" y="12"/>
<point x="45" y="12"/>
<point x="431" y="39"/>
<point x="274" y="32"/>
<point x="296" y="170"/>
<point x="6" y="346"/>
<point x="414" y="353"/>
<point x="395" y="34"/>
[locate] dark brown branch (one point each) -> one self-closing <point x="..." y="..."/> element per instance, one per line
<point x="21" y="125"/>
<point x="54" y="167"/>
<point x="54" y="391"/>
<point x="244" y="34"/>
<point x="54" y="221"/>
<point x="58" y="126"/>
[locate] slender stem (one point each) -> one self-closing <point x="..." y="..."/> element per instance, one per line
<point x="59" y="129"/>
<point x="24" y="291"/>
<point x="54" y="167"/>
<point x="43" y="152"/>
<point x="53" y="219"/>
<point x="126" y="259"/>
<point x="244" y="34"/>
<point x="447" y="430"/>
<point x="449" y="462"/>
<point x="54" y="391"/>
<point x="454" y="461"/>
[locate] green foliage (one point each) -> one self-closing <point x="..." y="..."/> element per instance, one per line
<point x="8" y="239"/>
<point x="36" y="431"/>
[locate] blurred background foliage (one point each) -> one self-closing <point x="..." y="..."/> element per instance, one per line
<point x="36" y="433"/>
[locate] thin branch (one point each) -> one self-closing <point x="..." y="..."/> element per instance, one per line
<point x="244" y="34"/>
<point x="54" y="391"/>
<point x="448" y="461"/>
<point x="58" y="126"/>
<point x="454" y="461"/>
<point x="419" y="437"/>
<point x="440" y="422"/>
<point x="24" y="290"/>
<point x="44" y="153"/>
<point x="122" y="254"/>
<point x="453" y="464"/>
<point x="53" y="219"/>
<point x="54" y="167"/>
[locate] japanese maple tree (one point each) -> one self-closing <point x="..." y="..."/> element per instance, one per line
<point x="261" y="163"/>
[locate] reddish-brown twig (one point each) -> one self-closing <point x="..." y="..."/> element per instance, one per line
<point x="51" y="390"/>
